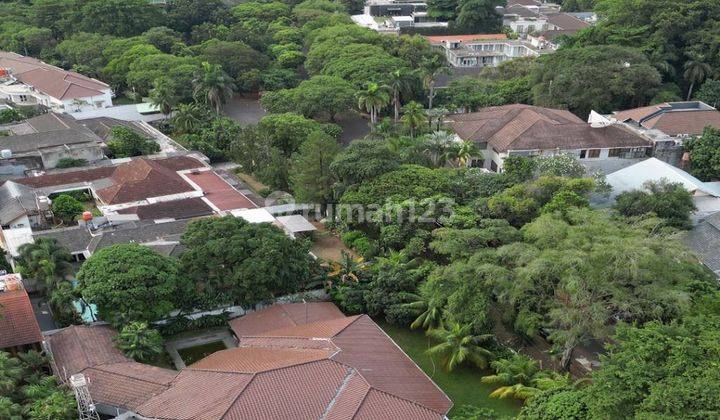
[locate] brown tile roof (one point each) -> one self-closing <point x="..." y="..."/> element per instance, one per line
<point x="298" y="392"/>
<point x="684" y="122"/>
<point x="436" y="39"/>
<point x="140" y="179"/>
<point x="258" y="359"/>
<point x="673" y="122"/>
<point x="385" y="366"/>
<point x="526" y="127"/>
<point x="196" y="395"/>
<point x="53" y="81"/>
<point x="18" y="325"/>
<point x="361" y="344"/>
<point x="221" y="194"/>
<point x="178" y="209"/>
<point x="113" y="379"/>
<point x="279" y="316"/>
<point x="567" y="22"/>
<point x="276" y="377"/>
<point x="524" y="2"/>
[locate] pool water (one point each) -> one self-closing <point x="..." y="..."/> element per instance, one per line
<point x="192" y="354"/>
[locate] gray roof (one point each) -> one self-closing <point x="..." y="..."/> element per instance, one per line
<point x="47" y="130"/>
<point x="74" y="238"/>
<point x="704" y="239"/>
<point x="15" y="200"/>
<point x="102" y="126"/>
<point x="164" y="237"/>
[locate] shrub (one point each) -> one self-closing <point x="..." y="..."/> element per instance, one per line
<point x="70" y="163"/>
<point x="66" y="208"/>
<point x="139" y="342"/>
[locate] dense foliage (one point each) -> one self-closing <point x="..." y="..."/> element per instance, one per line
<point x="121" y="280"/>
<point x="229" y="260"/>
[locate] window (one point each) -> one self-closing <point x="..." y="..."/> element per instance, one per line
<point x="583" y="154"/>
<point x="593" y="153"/>
<point x="617" y="152"/>
<point x="493" y="166"/>
<point x="23" y="98"/>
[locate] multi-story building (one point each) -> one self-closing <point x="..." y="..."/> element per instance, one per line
<point x="391" y="16"/>
<point x="28" y="81"/>
<point x="483" y="50"/>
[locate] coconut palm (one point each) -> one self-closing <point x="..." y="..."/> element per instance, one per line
<point x="11" y="371"/>
<point x="45" y="260"/>
<point x="163" y="95"/>
<point x="348" y="268"/>
<point x="413" y="116"/>
<point x="213" y="86"/>
<point x="521" y="378"/>
<point x="399" y="82"/>
<point x="430" y="69"/>
<point x="139" y="342"/>
<point x="437" y="145"/>
<point x="373" y="99"/>
<point x="458" y="345"/>
<point x="431" y="316"/>
<point x="9" y="410"/>
<point x="464" y="152"/>
<point x="437" y="114"/>
<point x="696" y="70"/>
<point x="187" y="117"/>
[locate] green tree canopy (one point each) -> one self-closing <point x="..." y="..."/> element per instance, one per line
<point x="602" y="78"/>
<point x="122" y="279"/>
<point x="66" y="208"/>
<point x="230" y="260"/>
<point x="705" y="154"/>
<point x="670" y="201"/>
<point x="124" y="142"/>
<point x="140" y="342"/>
<point x="311" y="178"/>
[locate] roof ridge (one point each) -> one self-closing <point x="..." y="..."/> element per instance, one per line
<point x="232" y="403"/>
<point x="349" y="324"/>
<point x="350" y="373"/>
<point x="99" y="367"/>
<point x="372" y="388"/>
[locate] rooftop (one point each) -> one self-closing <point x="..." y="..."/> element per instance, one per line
<point x="298" y="360"/>
<point x="704" y="240"/>
<point x="17" y="319"/>
<point x="673" y="118"/>
<point x="47" y="130"/>
<point x="436" y="39"/>
<point x="527" y="127"/>
<point x="50" y="80"/>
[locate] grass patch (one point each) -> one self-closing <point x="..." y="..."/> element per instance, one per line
<point x="253" y="183"/>
<point x="462" y="385"/>
<point x="190" y="355"/>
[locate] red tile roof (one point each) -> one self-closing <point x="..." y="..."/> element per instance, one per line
<point x="113" y="378"/>
<point x="527" y="127"/>
<point x="18" y="326"/>
<point x="221" y="194"/>
<point x="140" y="179"/>
<point x="567" y="22"/>
<point x="270" y="377"/>
<point x="53" y="81"/>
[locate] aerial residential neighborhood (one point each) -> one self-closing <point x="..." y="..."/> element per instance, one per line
<point x="364" y="209"/>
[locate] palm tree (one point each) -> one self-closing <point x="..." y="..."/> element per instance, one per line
<point x="348" y="268"/>
<point x="413" y="115"/>
<point x="521" y="378"/>
<point x="430" y="69"/>
<point x="213" y="85"/>
<point x="139" y="342"/>
<point x="187" y="117"/>
<point x="398" y="82"/>
<point x="163" y="95"/>
<point x="9" y="410"/>
<point x="458" y="345"/>
<point x="431" y="316"/>
<point x="44" y="260"/>
<point x="436" y="147"/>
<point x="373" y="99"/>
<point x="11" y="371"/>
<point x="465" y="152"/>
<point x="696" y="70"/>
<point x="438" y="114"/>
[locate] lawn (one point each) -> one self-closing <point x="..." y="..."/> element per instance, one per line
<point x="462" y="385"/>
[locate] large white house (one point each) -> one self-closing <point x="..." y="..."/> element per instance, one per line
<point x="527" y="130"/>
<point x="483" y="50"/>
<point x="28" y="81"/>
